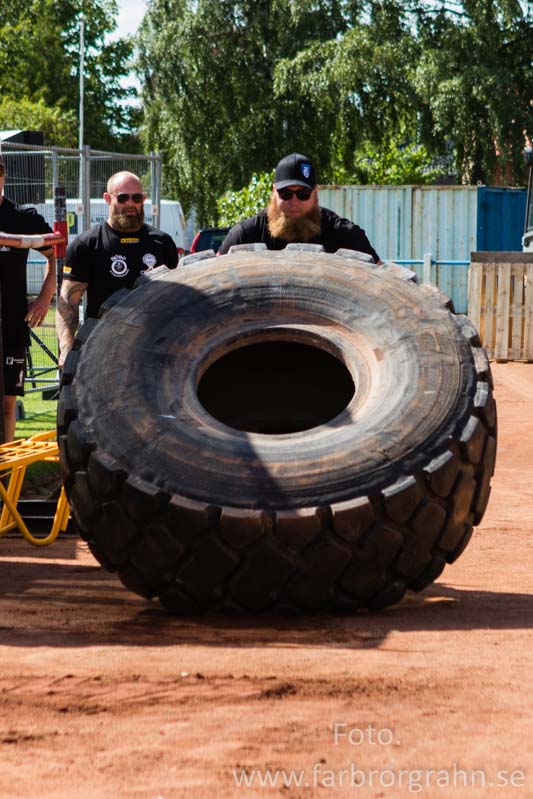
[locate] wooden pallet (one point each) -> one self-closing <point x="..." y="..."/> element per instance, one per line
<point x="500" y="303"/>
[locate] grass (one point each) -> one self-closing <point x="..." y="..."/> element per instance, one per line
<point x="40" y="416"/>
<point x="41" y="481"/>
<point x="42" y="477"/>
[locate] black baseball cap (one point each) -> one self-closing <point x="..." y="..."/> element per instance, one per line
<point x="295" y="170"/>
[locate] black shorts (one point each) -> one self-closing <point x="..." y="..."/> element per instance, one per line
<point x="14" y="371"/>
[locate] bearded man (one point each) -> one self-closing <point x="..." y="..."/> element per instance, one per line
<point x="294" y="215"/>
<point x="110" y="256"/>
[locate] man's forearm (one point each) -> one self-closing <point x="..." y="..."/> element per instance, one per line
<point x="67" y="321"/>
<point x="68" y="315"/>
<point x="48" y="287"/>
<point x="38" y="307"/>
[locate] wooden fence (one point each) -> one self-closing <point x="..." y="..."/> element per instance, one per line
<point x="500" y="303"/>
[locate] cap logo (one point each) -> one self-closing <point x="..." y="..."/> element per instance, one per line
<point x="306" y="171"/>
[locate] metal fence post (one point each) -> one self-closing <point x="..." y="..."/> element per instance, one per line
<point x="426" y="268"/>
<point x="55" y="171"/>
<point x="159" y="171"/>
<point x="85" y="186"/>
<point x="155" y="188"/>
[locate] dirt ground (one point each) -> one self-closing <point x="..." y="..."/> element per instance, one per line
<point x="105" y="696"/>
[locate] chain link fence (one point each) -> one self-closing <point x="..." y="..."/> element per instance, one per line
<point x="32" y="174"/>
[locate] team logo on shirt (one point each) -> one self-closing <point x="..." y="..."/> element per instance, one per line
<point x="119" y="267"/>
<point x="306" y="171"/>
<point x="149" y="260"/>
<point x="3" y="248"/>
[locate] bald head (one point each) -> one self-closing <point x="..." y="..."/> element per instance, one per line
<point x="116" y="182"/>
<point x="125" y="198"/>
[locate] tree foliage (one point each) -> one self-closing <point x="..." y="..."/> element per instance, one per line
<point x="236" y="205"/>
<point x="427" y="73"/>
<point x="358" y="87"/>
<point x="475" y="81"/>
<point x="208" y="73"/>
<point x="59" y="127"/>
<point x="39" y="63"/>
<point x="392" y="163"/>
<point x="230" y="87"/>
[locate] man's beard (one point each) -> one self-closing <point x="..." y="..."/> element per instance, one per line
<point x="287" y="228"/>
<point x="127" y="223"/>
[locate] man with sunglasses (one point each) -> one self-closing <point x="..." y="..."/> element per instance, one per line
<point x="294" y="215"/>
<point x="110" y="256"/>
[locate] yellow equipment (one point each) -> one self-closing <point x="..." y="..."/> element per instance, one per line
<point x="15" y="457"/>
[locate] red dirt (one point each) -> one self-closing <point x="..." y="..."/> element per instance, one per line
<point x="105" y="696"/>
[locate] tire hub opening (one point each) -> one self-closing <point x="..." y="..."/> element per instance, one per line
<point x="276" y="387"/>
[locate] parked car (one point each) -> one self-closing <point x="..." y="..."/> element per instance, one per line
<point x="209" y="238"/>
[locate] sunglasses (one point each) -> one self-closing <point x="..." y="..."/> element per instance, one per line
<point x="135" y="198"/>
<point x="287" y="194"/>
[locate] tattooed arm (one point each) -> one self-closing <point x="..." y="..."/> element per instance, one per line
<point x="68" y="315"/>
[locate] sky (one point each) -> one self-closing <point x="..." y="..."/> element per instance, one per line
<point x="130" y="15"/>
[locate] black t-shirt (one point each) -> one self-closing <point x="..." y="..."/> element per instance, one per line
<point x="336" y="233"/>
<point x="109" y="260"/>
<point x="13" y="261"/>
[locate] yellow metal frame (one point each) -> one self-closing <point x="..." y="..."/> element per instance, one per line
<point x="15" y="457"/>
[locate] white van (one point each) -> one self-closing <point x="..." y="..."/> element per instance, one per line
<point x="172" y="221"/>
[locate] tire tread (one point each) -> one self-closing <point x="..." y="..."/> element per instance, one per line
<point x="361" y="553"/>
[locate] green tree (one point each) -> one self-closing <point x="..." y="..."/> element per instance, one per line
<point x="427" y="73"/>
<point x="391" y="163"/>
<point x="230" y="87"/>
<point x="475" y="78"/>
<point x="39" y="61"/>
<point x="236" y="205"/>
<point x="58" y="126"/>
<point x="358" y="86"/>
<point x="207" y="68"/>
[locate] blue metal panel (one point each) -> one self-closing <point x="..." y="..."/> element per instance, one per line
<point x="459" y="291"/>
<point x="405" y="222"/>
<point x="448" y="281"/>
<point x="408" y="221"/>
<point x="449" y="222"/>
<point x="500" y="218"/>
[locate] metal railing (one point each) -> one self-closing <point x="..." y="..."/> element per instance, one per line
<point x="449" y="275"/>
<point x="33" y="172"/>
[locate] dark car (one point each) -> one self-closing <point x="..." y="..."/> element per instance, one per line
<point x="209" y="238"/>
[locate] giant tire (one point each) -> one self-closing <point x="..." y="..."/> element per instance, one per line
<point x="336" y="503"/>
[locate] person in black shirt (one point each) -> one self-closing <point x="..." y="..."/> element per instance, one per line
<point x="18" y="315"/>
<point x="110" y="256"/>
<point x="294" y="215"/>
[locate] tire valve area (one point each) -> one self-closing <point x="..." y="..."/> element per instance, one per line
<point x="276" y="387"/>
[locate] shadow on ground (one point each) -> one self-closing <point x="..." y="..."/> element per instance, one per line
<point x="65" y="602"/>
